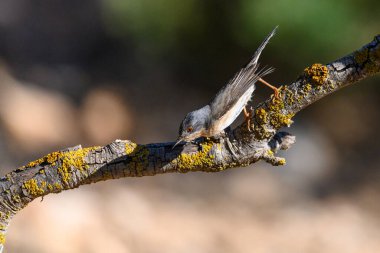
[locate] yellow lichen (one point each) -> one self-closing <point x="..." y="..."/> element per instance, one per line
<point x="2" y="238"/>
<point x="67" y="160"/>
<point x="73" y="159"/>
<point x="50" y="187"/>
<point x="130" y="147"/>
<point x="317" y="72"/>
<point x="33" y="188"/>
<point x="57" y="186"/>
<point x="50" y="158"/>
<point x="34" y="163"/>
<point x="361" y="56"/>
<point x="16" y="198"/>
<point x="275" y="115"/>
<point x="140" y="158"/>
<point x="307" y="87"/>
<point x="8" y="177"/>
<point x="199" y="159"/>
<point x="278" y="118"/>
<point x="54" y="187"/>
<point x="261" y="116"/>
<point x="281" y="161"/>
<point x="289" y="95"/>
<point x="8" y="215"/>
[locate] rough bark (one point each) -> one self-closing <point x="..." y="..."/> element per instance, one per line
<point x="68" y="169"/>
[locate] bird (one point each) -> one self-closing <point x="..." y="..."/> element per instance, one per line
<point x="212" y="119"/>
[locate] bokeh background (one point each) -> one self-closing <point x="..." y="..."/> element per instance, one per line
<point x="88" y="72"/>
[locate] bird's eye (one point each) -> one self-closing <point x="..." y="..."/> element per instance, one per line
<point x="189" y="129"/>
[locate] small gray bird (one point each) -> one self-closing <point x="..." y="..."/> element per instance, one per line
<point x="229" y="102"/>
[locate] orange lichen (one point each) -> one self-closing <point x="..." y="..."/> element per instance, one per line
<point x="317" y="72"/>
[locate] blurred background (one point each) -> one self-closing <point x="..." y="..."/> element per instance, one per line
<point x="88" y="72"/>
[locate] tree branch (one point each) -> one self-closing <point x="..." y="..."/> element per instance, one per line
<point x="68" y="169"/>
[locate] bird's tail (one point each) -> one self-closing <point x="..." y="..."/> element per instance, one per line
<point x="255" y="76"/>
<point x="264" y="71"/>
<point x="257" y="54"/>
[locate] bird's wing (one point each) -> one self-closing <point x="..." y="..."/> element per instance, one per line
<point x="240" y="83"/>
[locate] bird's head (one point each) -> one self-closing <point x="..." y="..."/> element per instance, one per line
<point x="194" y="125"/>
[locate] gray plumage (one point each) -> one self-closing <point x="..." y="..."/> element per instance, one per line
<point x="228" y="103"/>
<point x="241" y="82"/>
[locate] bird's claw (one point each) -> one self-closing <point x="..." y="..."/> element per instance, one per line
<point x="277" y="93"/>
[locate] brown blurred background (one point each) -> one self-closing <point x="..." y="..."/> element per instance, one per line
<point x="88" y="72"/>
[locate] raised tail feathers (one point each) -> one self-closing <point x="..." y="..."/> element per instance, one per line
<point x="257" y="54"/>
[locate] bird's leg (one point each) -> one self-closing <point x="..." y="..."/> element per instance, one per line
<point x="276" y="90"/>
<point x="248" y="117"/>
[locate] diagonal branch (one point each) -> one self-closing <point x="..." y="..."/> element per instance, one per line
<point x="68" y="169"/>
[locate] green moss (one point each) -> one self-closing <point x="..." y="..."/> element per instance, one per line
<point x="199" y="159"/>
<point x="33" y="188"/>
<point x="317" y="73"/>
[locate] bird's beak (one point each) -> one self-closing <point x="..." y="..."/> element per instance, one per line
<point x="179" y="140"/>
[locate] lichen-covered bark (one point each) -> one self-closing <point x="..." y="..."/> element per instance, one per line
<point x="68" y="169"/>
